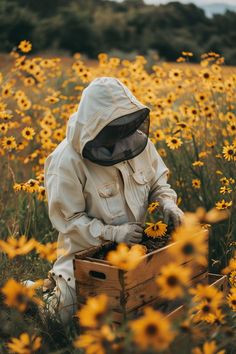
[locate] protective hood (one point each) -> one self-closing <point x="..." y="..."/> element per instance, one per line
<point x="108" y="106"/>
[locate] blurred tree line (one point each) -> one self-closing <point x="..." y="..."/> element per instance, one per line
<point x="94" y="26"/>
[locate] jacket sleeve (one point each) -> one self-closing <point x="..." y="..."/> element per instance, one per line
<point x="66" y="208"/>
<point x="160" y="190"/>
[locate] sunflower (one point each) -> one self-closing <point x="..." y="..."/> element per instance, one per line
<point x="20" y="296"/>
<point x="221" y="205"/>
<point x="25" y="344"/>
<point x="41" y="193"/>
<point x="206" y="75"/>
<point x="152" y="330"/>
<point x="126" y="258"/>
<point x="32" y="185"/>
<point x="224" y="181"/>
<point x="95" y="341"/>
<point x="18" y="187"/>
<point x="157" y="229"/>
<point x="40" y="177"/>
<point x="92" y="313"/>
<point x="216" y="318"/>
<point x="182" y="125"/>
<point x="48" y="251"/>
<point x="231" y="266"/>
<point x="198" y="163"/>
<point x="225" y="189"/>
<point x="204" y="310"/>
<point x="59" y="134"/>
<point x="52" y="99"/>
<point x="229" y="152"/>
<point x="28" y="133"/>
<point x="6" y="91"/>
<point x="24" y="103"/>
<point x="9" y="142"/>
<point x="232" y="128"/>
<point x="210" y="294"/>
<point x="187" y="54"/>
<point x="175" y="74"/>
<point x="17" y="247"/>
<point x="159" y="135"/>
<point x="21" y="145"/>
<point x="208" y="348"/>
<point x="173" y="142"/>
<point x="231" y="299"/>
<point x="25" y="46"/>
<point x="232" y="278"/>
<point x="3" y="128"/>
<point x="29" y="81"/>
<point x="196" y="183"/>
<point x="45" y="133"/>
<point x="190" y="242"/>
<point x="172" y="280"/>
<point x="201" y="97"/>
<point x="153" y="207"/>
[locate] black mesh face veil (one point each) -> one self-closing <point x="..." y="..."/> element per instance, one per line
<point x="122" y="139"/>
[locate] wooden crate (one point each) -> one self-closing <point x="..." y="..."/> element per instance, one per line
<point x="128" y="291"/>
<point x="217" y="280"/>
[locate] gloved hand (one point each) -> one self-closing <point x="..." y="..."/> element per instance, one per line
<point x="130" y="233"/>
<point x="172" y="212"/>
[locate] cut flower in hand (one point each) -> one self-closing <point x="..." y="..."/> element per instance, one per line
<point x="157" y="229"/>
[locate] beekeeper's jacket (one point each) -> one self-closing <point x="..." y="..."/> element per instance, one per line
<point x="83" y="196"/>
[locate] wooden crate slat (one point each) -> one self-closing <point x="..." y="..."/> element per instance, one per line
<point x="96" y="274"/>
<point x="147" y="291"/>
<point x="151" y="263"/>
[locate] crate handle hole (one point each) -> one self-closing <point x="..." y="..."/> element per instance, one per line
<point x="98" y="275"/>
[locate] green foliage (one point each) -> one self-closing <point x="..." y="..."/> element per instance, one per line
<point x="92" y="26"/>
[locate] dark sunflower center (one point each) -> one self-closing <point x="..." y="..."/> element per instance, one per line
<point x="206" y="308"/>
<point x="20" y="298"/>
<point x="233" y="302"/>
<point x="188" y="248"/>
<point x="172" y="280"/>
<point x="155" y="227"/>
<point x="98" y="316"/>
<point x="151" y="329"/>
<point x="206" y="76"/>
<point x="230" y="152"/>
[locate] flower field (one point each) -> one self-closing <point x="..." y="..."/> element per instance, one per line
<point x="193" y="126"/>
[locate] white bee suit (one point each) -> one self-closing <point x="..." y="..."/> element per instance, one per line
<point x="84" y="196"/>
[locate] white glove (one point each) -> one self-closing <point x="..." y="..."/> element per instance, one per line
<point x="172" y="212"/>
<point x="130" y="233"/>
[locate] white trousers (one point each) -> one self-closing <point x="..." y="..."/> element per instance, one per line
<point x="61" y="300"/>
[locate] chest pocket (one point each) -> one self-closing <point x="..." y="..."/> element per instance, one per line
<point x="110" y="195"/>
<point x="141" y="182"/>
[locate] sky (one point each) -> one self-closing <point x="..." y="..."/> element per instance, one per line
<point x="197" y="2"/>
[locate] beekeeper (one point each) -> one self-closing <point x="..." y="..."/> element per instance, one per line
<point x="100" y="179"/>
